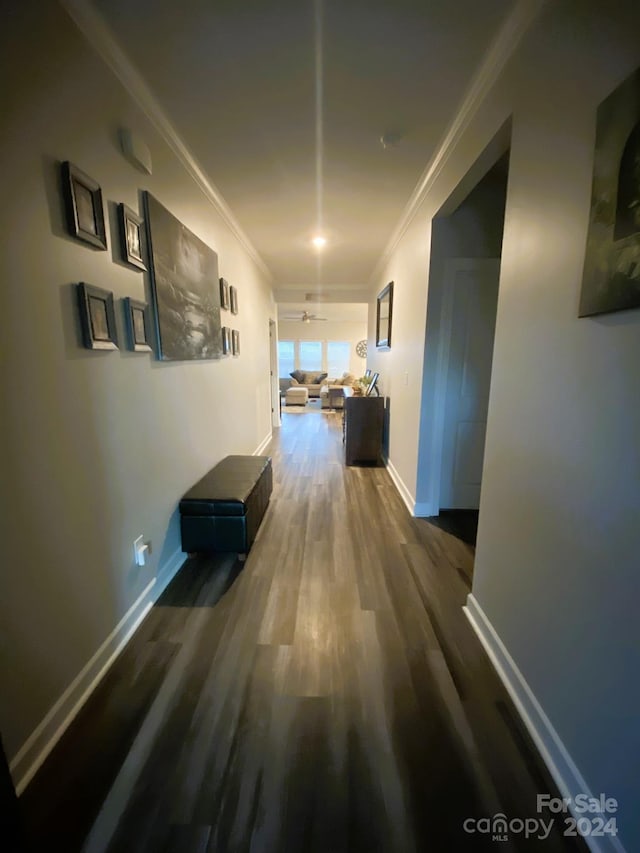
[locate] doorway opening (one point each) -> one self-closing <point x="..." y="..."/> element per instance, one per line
<point x="464" y="272"/>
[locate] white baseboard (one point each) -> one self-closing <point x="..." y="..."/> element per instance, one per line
<point x="263" y="444"/>
<point x="42" y="740"/>
<point x="398" y="482"/>
<point x="554" y="753"/>
<point x="419" y="510"/>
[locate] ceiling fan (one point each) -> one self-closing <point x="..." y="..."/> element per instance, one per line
<point x="305" y="317"/>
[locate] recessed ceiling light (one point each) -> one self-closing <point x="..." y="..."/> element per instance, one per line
<point x="319" y="242"/>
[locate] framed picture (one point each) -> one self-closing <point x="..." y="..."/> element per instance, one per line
<point x="235" y="339"/>
<point x="184" y="287"/>
<point x="373" y="386"/>
<point x="233" y="294"/>
<point x="224" y="294"/>
<point x="611" y="275"/>
<point x="83" y="205"/>
<point x="384" y="309"/>
<point x="97" y="317"/>
<point x="131" y="237"/>
<point x="137" y="322"/>
<point x="226" y="340"/>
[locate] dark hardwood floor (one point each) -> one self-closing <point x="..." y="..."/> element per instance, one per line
<point x="461" y="523"/>
<point x="328" y="695"/>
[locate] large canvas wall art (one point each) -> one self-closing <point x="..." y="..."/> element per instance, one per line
<point x="611" y="277"/>
<point x="184" y="286"/>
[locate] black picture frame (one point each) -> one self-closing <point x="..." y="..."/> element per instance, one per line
<point x="233" y="298"/>
<point x="373" y="386"/>
<point x="226" y="340"/>
<point x="131" y="237"/>
<point x="611" y="271"/>
<point x="137" y="323"/>
<point x="384" y="313"/>
<point x="235" y="341"/>
<point x="83" y="206"/>
<point x="97" y="317"/>
<point x="224" y="294"/>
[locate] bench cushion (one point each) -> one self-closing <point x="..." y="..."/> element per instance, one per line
<point x="226" y="489"/>
<point x="223" y="511"/>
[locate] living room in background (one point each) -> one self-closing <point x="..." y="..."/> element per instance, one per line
<point x="310" y="355"/>
<point x="332" y="357"/>
<point x="286" y="358"/>
<point x="338" y="357"/>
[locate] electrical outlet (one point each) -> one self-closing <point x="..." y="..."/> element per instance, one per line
<point x="140" y="551"/>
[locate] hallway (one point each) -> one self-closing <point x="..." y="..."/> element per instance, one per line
<point x="330" y="695"/>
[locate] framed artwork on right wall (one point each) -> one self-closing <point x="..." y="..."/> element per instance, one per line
<point x="384" y="312"/>
<point x="611" y="274"/>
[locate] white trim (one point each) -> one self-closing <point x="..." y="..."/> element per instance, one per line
<point x="263" y="444"/>
<point x="424" y="510"/>
<point x="398" y="482"/>
<point x="500" y="51"/>
<point x="48" y="732"/>
<point x="554" y="753"/>
<point x="417" y="510"/>
<point x="274" y="384"/>
<point x="98" y="34"/>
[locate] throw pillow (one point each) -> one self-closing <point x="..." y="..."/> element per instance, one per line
<point x="320" y="378"/>
<point x="348" y="378"/>
<point x="298" y="375"/>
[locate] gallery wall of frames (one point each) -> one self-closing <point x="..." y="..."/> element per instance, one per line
<point x="182" y="320"/>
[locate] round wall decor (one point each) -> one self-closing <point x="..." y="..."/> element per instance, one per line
<point x="361" y="349"/>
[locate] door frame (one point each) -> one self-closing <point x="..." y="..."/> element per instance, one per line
<point x="451" y="268"/>
<point x="273" y="368"/>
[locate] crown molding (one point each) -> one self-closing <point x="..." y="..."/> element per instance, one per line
<point x="100" y="37"/>
<point x="501" y="49"/>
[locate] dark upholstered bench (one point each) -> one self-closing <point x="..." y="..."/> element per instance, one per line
<point x="223" y="511"/>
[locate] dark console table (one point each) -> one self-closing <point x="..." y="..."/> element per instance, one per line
<point x="363" y="423"/>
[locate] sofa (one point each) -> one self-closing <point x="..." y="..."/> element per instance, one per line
<point x="326" y="401"/>
<point x="314" y="382"/>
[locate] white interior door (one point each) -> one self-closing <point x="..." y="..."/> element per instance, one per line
<point x="473" y="295"/>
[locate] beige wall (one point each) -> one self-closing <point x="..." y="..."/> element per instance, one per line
<point x="97" y="448"/>
<point x="558" y="542"/>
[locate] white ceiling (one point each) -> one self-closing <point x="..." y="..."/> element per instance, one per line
<point x="283" y="104"/>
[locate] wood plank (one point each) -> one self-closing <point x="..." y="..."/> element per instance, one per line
<point x="326" y="695"/>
